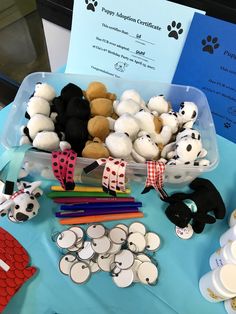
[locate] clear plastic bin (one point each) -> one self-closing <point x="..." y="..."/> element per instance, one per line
<point x="40" y="163"/>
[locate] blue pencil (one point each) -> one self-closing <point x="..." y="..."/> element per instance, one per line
<point x="101" y="205"/>
<point x="91" y="212"/>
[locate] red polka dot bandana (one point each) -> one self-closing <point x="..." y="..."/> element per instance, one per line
<point x="14" y="270"/>
<point x="113" y="177"/>
<point x="155" y="177"/>
<point x="63" y="166"/>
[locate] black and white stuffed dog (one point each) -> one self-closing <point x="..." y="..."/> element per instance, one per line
<point x="194" y="207"/>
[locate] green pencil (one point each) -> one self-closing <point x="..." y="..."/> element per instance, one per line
<point x="55" y="194"/>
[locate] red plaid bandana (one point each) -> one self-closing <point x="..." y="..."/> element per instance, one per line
<point x="155" y="177"/>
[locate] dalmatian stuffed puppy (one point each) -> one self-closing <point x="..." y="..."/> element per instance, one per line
<point x="188" y="151"/>
<point x="23" y="204"/>
<point x="187" y="114"/>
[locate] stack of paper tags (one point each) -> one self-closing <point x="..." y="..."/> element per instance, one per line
<point x="121" y="251"/>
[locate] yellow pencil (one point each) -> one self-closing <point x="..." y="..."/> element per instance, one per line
<point x="79" y="188"/>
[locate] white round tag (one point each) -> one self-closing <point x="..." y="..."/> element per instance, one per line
<point x="124" y="278"/>
<point x="184" y="233"/>
<point x="80" y="272"/>
<point x="66" y="263"/>
<point x="115" y="248"/>
<point x="87" y="252"/>
<point x="137" y="227"/>
<point x="79" y="233"/>
<point x="135" y="268"/>
<point x="96" y="231"/>
<point x="147" y="273"/>
<point x="76" y="246"/>
<point x="143" y="258"/>
<point x="101" y="245"/>
<point x="153" y="241"/>
<point x="117" y="235"/>
<point x="124" y="259"/>
<point x="93" y="266"/>
<point x="66" y="239"/>
<point x="105" y="262"/>
<point x="136" y="242"/>
<point x="124" y="227"/>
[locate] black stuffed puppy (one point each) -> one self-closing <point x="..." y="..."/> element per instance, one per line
<point x="73" y="114"/>
<point x="204" y="199"/>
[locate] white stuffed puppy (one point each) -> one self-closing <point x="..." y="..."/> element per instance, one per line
<point x="119" y="145"/>
<point x="158" y="104"/>
<point x="125" y="106"/>
<point x="134" y="95"/>
<point x="144" y="148"/>
<point x="153" y="126"/>
<point x="44" y="91"/>
<point x="37" y="105"/>
<point x="170" y="119"/>
<point x="187" y="114"/>
<point x="130" y="102"/>
<point x="127" y="123"/>
<point x="36" y="124"/>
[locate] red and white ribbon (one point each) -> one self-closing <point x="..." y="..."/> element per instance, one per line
<point x="113" y="177"/>
<point x="155" y="177"/>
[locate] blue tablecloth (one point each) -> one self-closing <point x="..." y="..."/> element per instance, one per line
<point x="181" y="263"/>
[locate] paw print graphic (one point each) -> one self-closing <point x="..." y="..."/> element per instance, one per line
<point x="91" y="4"/>
<point x="210" y="44"/>
<point x="174" y="30"/>
<point x="227" y="125"/>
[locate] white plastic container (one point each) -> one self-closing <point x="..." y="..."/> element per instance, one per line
<point x="228" y="236"/>
<point x="232" y="219"/>
<point x="230" y="306"/>
<point x="175" y="175"/>
<point x="219" y="284"/>
<point x="224" y="255"/>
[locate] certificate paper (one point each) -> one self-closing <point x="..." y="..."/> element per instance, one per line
<point x="208" y="62"/>
<point x="131" y="39"/>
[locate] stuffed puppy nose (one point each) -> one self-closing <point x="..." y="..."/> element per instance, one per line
<point x="21" y="217"/>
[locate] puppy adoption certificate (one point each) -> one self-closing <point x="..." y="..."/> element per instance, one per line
<point x="208" y="62"/>
<point x="133" y="39"/>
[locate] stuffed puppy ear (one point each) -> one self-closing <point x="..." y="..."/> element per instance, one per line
<point x="176" y="198"/>
<point x="199" y="183"/>
<point x="158" y="124"/>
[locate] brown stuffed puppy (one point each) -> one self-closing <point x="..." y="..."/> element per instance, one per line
<point x="98" y="126"/>
<point x="95" y="149"/>
<point x="101" y="107"/>
<point x="98" y="90"/>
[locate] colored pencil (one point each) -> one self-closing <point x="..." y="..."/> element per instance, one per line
<point x="54" y="194"/>
<point x="79" y="188"/>
<point x="92" y="212"/>
<point x="100" y="205"/>
<point x="88" y="200"/>
<point x="99" y="218"/>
